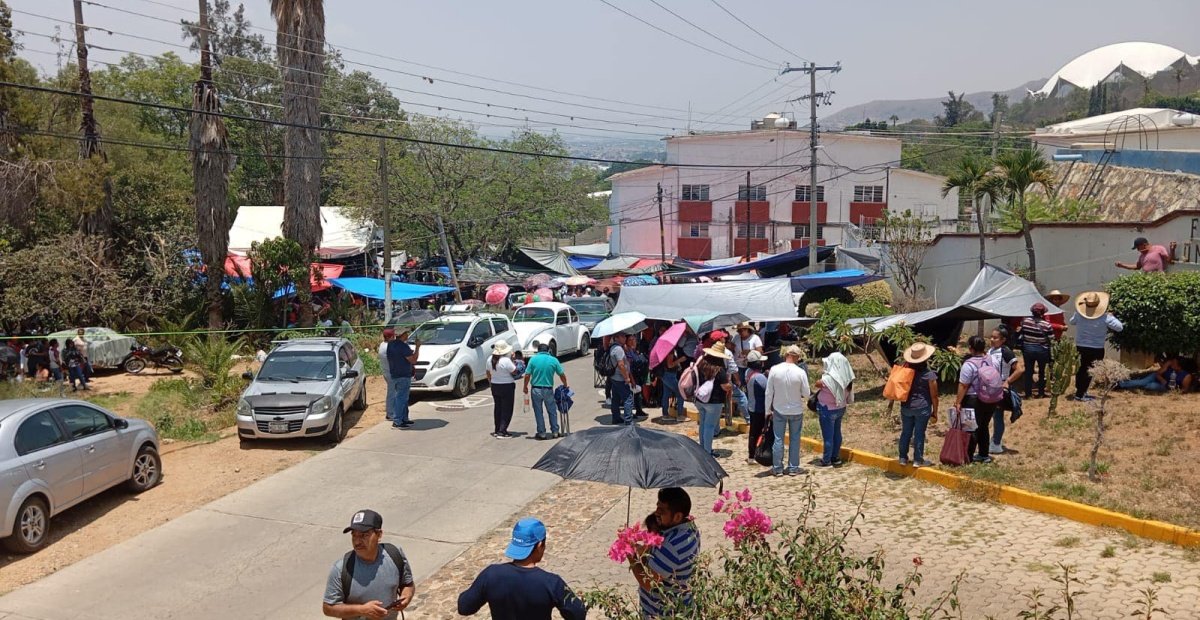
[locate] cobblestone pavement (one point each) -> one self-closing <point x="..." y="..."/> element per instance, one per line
<point x="1005" y="552"/>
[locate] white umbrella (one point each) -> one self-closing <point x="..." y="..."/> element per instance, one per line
<point x="620" y="322"/>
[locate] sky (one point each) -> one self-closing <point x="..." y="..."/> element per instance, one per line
<point x="648" y="82"/>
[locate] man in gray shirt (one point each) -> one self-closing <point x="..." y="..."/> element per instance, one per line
<point x="378" y="582"/>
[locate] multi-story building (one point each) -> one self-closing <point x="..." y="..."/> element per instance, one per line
<point x="715" y="212"/>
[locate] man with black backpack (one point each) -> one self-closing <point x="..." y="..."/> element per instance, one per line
<point x="373" y="580"/>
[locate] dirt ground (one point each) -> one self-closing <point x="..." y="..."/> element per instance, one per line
<point x="194" y="474"/>
<point x="1150" y="457"/>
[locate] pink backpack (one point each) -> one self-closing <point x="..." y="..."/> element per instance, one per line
<point x="989" y="384"/>
<point x="688" y="380"/>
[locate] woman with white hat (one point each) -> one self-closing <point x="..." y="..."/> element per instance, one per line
<point x="1092" y="323"/>
<point x="920" y="407"/>
<point x="500" y="374"/>
<point x="711" y="389"/>
<point x="835" y="391"/>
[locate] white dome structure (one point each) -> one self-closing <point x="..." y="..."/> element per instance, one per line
<point x="1103" y="63"/>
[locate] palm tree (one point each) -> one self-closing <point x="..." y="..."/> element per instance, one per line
<point x="974" y="178"/>
<point x="894" y="120"/>
<point x="300" y="40"/>
<point x="211" y="162"/>
<point x="1019" y="171"/>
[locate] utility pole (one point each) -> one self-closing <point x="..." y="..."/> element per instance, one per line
<point x="386" y="220"/>
<point x="449" y="260"/>
<point x="811" y="69"/>
<point x="747" y="216"/>
<point x="662" y="234"/>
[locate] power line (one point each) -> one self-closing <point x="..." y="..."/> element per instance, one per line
<point x="692" y="43"/>
<point x="755" y="31"/>
<point x="693" y="25"/>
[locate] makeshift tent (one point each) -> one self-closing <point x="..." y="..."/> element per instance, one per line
<point x="592" y="249"/>
<point x="584" y="262"/>
<point x="340" y="236"/>
<point x="105" y="347"/>
<point x="239" y="267"/>
<point x="616" y="263"/>
<point x="372" y="288"/>
<point x="769" y="267"/>
<point x="481" y="271"/>
<point x="995" y="293"/>
<point x="761" y="300"/>
<point x="842" y="277"/>
<point x="870" y="257"/>
<point x="642" y="280"/>
<point x="543" y="260"/>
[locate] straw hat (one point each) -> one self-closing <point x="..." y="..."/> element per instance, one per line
<point x="747" y="325"/>
<point x="754" y="356"/>
<point x="1057" y="297"/>
<point x="718" y="350"/>
<point x="793" y="350"/>
<point x="918" y="352"/>
<point x="1092" y="304"/>
<point x="501" y="348"/>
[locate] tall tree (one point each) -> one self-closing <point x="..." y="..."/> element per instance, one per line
<point x="1019" y="171"/>
<point x="96" y="221"/>
<point x="300" y="40"/>
<point x="974" y="178"/>
<point x="211" y="162"/>
<point x="958" y="110"/>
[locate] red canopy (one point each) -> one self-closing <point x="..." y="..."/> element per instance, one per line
<point x="239" y="266"/>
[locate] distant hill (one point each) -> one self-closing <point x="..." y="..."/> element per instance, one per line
<point x="910" y="109"/>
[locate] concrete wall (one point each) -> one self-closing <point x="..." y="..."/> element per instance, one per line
<point x="1162" y="161"/>
<point x="1133" y="194"/>
<point x="1070" y="257"/>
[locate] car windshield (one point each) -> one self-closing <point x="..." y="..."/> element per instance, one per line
<point x="534" y="315"/>
<point x="589" y="306"/>
<point x="296" y="366"/>
<point x="441" y="333"/>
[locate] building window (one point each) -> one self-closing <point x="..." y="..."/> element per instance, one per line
<point x="695" y="229"/>
<point x="757" y="231"/>
<point x="868" y="193"/>
<point x="804" y="193"/>
<point x="695" y="192"/>
<point x="752" y="192"/>
<point x="802" y="231"/>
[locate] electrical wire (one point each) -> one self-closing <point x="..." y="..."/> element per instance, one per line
<point x="693" y="25"/>
<point x="691" y="43"/>
<point x="755" y="31"/>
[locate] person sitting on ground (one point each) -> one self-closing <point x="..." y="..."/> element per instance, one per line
<point x="921" y="406"/>
<point x="667" y="569"/>
<point x="1172" y="370"/>
<point x="1151" y="258"/>
<point x="519" y="590"/>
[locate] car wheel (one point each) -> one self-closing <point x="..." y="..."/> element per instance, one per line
<point x="31" y="528"/>
<point x="360" y="403"/>
<point x="553" y="349"/>
<point x="463" y="383"/>
<point x="134" y="365"/>
<point x="583" y="345"/>
<point x="336" y="433"/>
<point x="147" y="470"/>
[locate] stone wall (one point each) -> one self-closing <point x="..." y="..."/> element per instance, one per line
<point x="1132" y="194"/>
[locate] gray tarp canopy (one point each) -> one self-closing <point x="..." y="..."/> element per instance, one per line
<point x="869" y="257"/>
<point x="546" y="260"/>
<point x="614" y="264"/>
<point x="481" y="271"/>
<point x="106" y="348"/>
<point x="995" y="293"/>
<point x="591" y="249"/>
<point x="760" y="300"/>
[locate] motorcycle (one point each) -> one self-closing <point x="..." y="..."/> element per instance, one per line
<point x="140" y="356"/>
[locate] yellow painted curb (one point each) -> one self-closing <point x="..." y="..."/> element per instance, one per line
<point x="1155" y="530"/>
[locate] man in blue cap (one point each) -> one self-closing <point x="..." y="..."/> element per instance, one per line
<point x="519" y="590"/>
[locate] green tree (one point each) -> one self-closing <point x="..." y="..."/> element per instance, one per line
<point x="907" y="238"/>
<point x="975" y="179"/>
<point x="1019" y="171"/>
<point x="957" y="111"/>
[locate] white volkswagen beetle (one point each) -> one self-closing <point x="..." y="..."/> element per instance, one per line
<point x="553" y="324"/>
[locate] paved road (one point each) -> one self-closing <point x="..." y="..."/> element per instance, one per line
<point x="265" y="551"/>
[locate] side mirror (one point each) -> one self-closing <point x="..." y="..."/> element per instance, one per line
<point x="475" y="342"/>
<point x="249" y="376"/>
<point x="350" y="374"/>
<point x="120" y="423"/>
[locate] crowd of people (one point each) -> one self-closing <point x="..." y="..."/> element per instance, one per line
<point x="45" y="361"/>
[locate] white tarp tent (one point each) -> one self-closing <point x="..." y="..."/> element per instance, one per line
<point x="340" y="236"/>
<point x="760" y="300"/>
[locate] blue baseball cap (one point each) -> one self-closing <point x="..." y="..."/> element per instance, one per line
<point x="527" y="533"/>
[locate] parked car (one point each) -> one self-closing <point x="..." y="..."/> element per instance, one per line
<point x="552" y="323"/>
<point x="303" y="389"/>
<point x="591" y="310"/>
<point x="56" y="453"/>
<point x="454" y="349"/>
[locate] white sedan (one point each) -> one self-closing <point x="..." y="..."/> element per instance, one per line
<point x="552" y="323"/>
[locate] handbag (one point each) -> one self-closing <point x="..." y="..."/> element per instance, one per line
<point x="954" y="447"/>
<point x="704" y="392"/>
<point x="899" y="383"/>
<point x="812" y="402"/>
<point x="967" y="421"/>
<point x="764" y="451"/>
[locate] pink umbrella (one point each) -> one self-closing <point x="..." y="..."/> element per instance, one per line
<point x="544" y="294"/>
<point x="496" y="294"/>
<point x="669" y="340"/>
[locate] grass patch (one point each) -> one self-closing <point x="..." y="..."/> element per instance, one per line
<point x="1070" y="542"/>
<point x="1109" y="551"/>
<point x="994" y="473"/>
<point x="110" y="401"/>
<point x="1073" y="491"/>
<point x="1101" y="467"/>
<point x="371" y="364"/>
<point x="182" y="409"/>
<point x="1160" y="577"/>
<point x="1164" y="446"/>
<point x="1075" y="419"/>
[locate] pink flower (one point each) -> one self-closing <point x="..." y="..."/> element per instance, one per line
<point x="743" y="495"/>
<point x="632" y="543"/>
<point x="726" y="495"/>
<point x="917" y="561"/>
<point x="719" y="505"/>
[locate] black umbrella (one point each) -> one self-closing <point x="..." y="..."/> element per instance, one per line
<point x="632" y="456"/>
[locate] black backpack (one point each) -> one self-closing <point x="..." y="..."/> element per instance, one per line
<point x="603" y="364"/>
<point x="351" y="559"/>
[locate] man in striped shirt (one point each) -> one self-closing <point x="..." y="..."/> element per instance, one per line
<point x="665" y="572"/>
<point x="1036" y="332"/>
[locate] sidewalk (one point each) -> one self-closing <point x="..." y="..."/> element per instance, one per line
<point x="1006" y="552"/>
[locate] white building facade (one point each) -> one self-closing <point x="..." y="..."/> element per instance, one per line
<point x="710" y="213"/>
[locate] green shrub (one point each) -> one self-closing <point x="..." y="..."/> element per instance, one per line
<point x="214" y="359"/>
<point x="1160" y="312"/>
<point x="879" y="291"/>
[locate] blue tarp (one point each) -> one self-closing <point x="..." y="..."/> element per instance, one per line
<point x="584" y="262"/>
<point x="841" y="277"/>
<point x="643" y="280"/>
<point x="373" y="288"/>
<point x="769" y="267"/>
